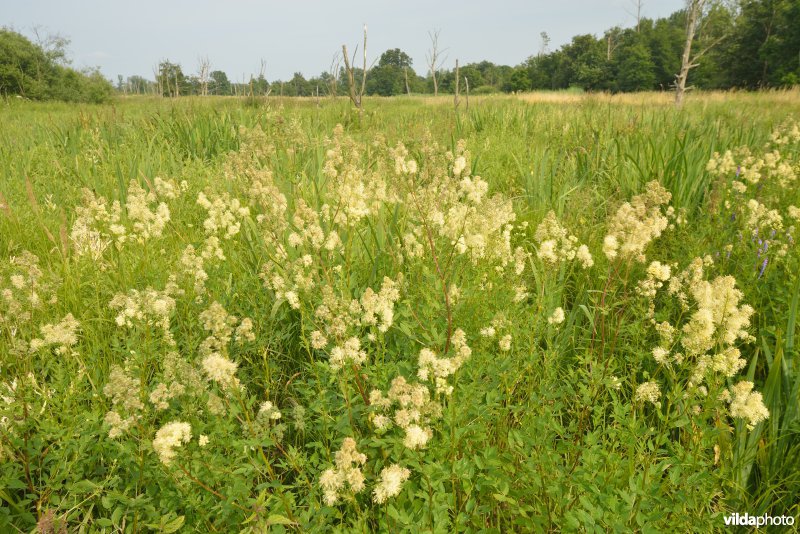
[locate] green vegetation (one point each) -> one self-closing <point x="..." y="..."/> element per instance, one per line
<point x="527" y="316"/>
<point x="744" y="44"/>
<point x="31" y="71"/>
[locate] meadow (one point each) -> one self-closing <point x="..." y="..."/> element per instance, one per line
<point x="543" y="312"/>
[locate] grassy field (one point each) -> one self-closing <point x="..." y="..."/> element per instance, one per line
<point x="545" y="312"/>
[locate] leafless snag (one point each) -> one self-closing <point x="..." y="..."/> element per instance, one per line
<point x="466" y="86"/>
<point x="694" y="17"/>
<point x="635" y="11"/>
<point x="455" y="97"/>
<point x="203" y="74"/>
<point x="333" y="81"/>
<point x="434" y="59"/>
<point x="356" y="93"/>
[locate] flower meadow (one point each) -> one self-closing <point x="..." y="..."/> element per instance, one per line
<point x="219" y="315"/>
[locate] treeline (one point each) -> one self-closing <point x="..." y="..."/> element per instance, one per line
<point x="41" y="71"/>
<point x="748" y="44"/>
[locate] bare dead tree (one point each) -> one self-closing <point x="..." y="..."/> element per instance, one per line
<point x="455" y="97"/>
<point x="159" y="84"/>
<point x="695" y="10"/>
<point x="612" y="42"/>
<point x="204" y="74"/>
<point x="405" y="75"/>
<point x="356" y="93"/>
<point x="434" y="59"/>
<point x="333" y="82"/>
<point x="635" y="11"/>
<point x="544" y="43"/>
<point x="466" y="86"/>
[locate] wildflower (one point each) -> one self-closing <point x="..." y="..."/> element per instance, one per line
<point x="268" y="411"/>
<point x="557" y="245"/>
<point x="637" y="223"/>
<point x="584" y="256"/>
<point x="62" y="334"/>
<point x="748" y="404"/>
<point x="505" y="343"/>
<point x="391" y="482"/>
<point x="380" y="305"/>
<point x="220" y="369"/>
<point x="169" y="437"/>
<point x="202" y="440"/>
<point x="610" y="246"/>
<point x="117" y="424"/>
<point x="346" y="470"/>
<point x="416" y="437"/>
<point x="661" y="355"/>
<point x="123" y="390"/>
<point x="349" y="352"/>
<point x="557" y="317"/>
<point x="649" y="392"/>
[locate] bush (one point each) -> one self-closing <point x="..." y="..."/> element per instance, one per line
<point x="27" y="70"/>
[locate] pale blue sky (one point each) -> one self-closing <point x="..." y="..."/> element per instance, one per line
<point x="130" y="37"/>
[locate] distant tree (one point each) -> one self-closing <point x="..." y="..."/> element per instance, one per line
<point x="389" y="76"/>
<point x="171" y="79"/>
<point x="139" y="85"/>
<point x="766" y="45"/>
<point x="28" y="70"/>
<point x="635" y="70"/>
<point x="519" y="80"/>
<point x="219" y="83"/>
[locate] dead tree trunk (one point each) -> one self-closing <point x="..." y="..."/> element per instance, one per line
<point x="434" y="60"/>
<point x="356" y="93"/>
<point x="694" y="9"/>
<point x="455" y="97"/>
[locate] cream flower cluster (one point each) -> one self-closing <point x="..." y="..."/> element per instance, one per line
<point x="557" y="245"/>
<point x="99" y="224"/>
<point x="63" y="335"/>
<point x="747" y="404"/>
<point x="657" y="275"/>
<point x="223" y="220"/>
<point x="169" y="437"/>
<point x="308" y="231"/>
<point x="717" y="321"/>
<point x="410" y="407"/>
<point x="437" y="370"/>
<point x="96" y="226"/>
<point x="637" y="223"/>
<point x="150" y="307"/>
<point x="214" y="349"/>
<point x="391" y="483"/>
<point x="123" y="390"/>
<point x="457" y="207"/>
<point x="146" y="222"/>
<point x="353" y="192"/>
<point x="346" y="470"/>
<point x="379" y="307"/>
<point x="649" y="392"/>
<point x="29" y="290"/>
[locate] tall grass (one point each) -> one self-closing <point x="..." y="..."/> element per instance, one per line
<point x="543" y="437"/>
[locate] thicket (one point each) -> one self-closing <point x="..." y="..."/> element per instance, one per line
<point x="30" y="71"/>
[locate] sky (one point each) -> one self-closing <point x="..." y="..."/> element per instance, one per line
<point x="130" y="37"/>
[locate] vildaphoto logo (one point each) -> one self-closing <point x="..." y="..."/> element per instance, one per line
<point x="747" y="520"/>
